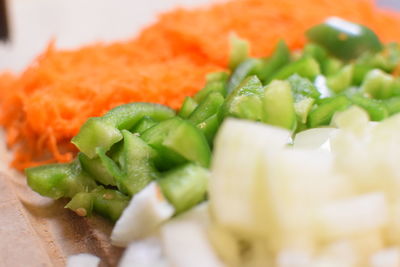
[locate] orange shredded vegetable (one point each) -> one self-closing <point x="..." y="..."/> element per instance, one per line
<point x="44" y="107"/>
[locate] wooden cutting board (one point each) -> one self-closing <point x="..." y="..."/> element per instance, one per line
<point x="37" y="231"/>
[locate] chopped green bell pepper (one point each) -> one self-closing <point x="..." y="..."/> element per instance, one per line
<point x="344" y="39"/>
<point x="306" y="67"/>
<point x="324" y="111"/>
<point x="208" y="107"/>
<point x="279" y="105"/>
<point x="186" y="186"/>
<point x="177" y="141"/>
<point x="240" y="50"/>
<point x="59" y="180"/>
<point x="106" y="202"/>
<point x="103" y="132"/>
<point x="95" y="168"/>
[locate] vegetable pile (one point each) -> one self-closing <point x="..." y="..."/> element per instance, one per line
<point x="44" y="107"/>
<point x="159" y="159"/>
<point x="135" y="144"/>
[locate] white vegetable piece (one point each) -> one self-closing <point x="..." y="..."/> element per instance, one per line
<point x="144" y="253"/>
<point x="225" y="244"/>
<point x="356" y="215"/>
<point x="389" y="257"/>
<point x="83" y="260"/>
<point x="317" y="138"/>
<point x="292" y="187"/>
<point x="186" y="241"/>
<point x="293" y="258"/>
<point x="239" y="148"/>
<point x="145" y="212"/>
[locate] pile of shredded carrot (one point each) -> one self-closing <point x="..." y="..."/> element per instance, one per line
<point x="42" y="108"/>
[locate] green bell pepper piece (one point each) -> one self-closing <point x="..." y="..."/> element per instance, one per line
<point x="302" y="87"/>
<point x="306" y="67"/>
<point x="107" y="202"/>
<point x="279" y="105"/>
<point x="245" y="101"/>
<point x="376" y="109"/>
<point x="144" y="124"/>
<point x="324" y="111"/>
<point x="245" y="69"/>
<point x="59" y="180"/>
<point x="177" y="141"/>
<point x="378" y="84"/>
<point x="341" y="80"/>
<point x="239" y="51"/>
<point x="331" y="66"/>
<point x="315" y="51"/>
<point x="134" y="168"/>
<point x="392" y="105"/>
<point x="344" y="39"/>
<point x="95" y="168"/>
<point x="303" y="108"/>
<point x="185" y="186"/>
<point x="279" y="58"/>
<point x="209" y="128"/>
<point x="189" y="104"/>
<point x="103" y="132"/>
<point x="216" y="82"/>
<point x="208" y="107"/>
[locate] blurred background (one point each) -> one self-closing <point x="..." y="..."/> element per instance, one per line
<point x="72" y="23"/>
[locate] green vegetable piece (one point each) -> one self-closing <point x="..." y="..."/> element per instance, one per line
<point x="138" y="168"/>
<point x="302" y="108"/>
<point x="304" y="93"/>
<point x="95" y="168"/>
<point x="341" y="80"/>
<point x="344" y="39"/>
<point x="109" y="203"/>
<point x="143" y="125"/>
<point x="245" y="101"/>
<point x="245" y="69"/>
<point x="392" y="105"/>
<point x="216" y="82"/>
<point x="239" y="51"/>
<point x="317" y="52"/>
<point x="219" y="76"/>
<point x="279" y="58"/>
<point x="176" y="141"/>
<point x="135" y="168"/>
<point x="210" y="106"/>
<point x="248" y="107"/>
<point x="331" y="66"/>
<point x="81" y="204"/>
<point x="103" y="132"/>
<point x="324" y="112"/>
<point x="378" y="84"/>
<point x="279" y="105"/>
<point x="209" y="128"/>
<point x="377" y="110"/>
<point x="106" y="202"/>
<point x="59" y="180"/>
<point x="302" y="87"/>
<point x="186" y="186"/>
<point x="306" y="67"/>
<point x="189" y="104"/>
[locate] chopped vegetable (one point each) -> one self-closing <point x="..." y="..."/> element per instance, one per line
<point x="344" y="39"/>
<point x="145" y="212"/>
<point x="83" y="260"/>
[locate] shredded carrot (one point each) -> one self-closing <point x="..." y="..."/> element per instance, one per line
<point x="45" y="106"/>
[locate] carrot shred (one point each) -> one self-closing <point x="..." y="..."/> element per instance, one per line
<point x="42" y="108"/>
